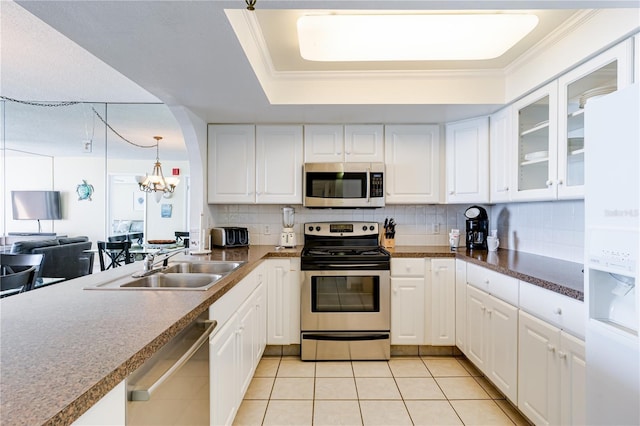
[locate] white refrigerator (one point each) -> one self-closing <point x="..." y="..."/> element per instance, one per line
<point x="612" y="247"/>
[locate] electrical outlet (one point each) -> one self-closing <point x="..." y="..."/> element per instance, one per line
<point x="266" y="230"/>
<point x="87" y="146"/>
<point x="435" y="228"/>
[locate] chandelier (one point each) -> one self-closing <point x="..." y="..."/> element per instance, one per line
<point x="156" y="182"/>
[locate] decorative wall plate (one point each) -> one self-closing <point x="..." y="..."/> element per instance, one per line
<point x="84" y="191"/>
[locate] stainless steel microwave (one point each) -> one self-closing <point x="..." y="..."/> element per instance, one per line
<point x="343" y="185"/>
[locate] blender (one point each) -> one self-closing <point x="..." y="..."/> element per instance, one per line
<point x="288" y="236"/>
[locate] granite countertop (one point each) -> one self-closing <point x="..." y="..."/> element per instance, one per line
<point x="63" y="348"/>
<point x="560" y="276"/>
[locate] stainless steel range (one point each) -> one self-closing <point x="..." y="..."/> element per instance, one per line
<point x="345" y="299"/>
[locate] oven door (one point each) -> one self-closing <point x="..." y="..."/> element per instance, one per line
<point x="350" y="301"/>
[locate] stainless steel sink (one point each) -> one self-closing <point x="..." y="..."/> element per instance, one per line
<point x="175" y="281"/>
<point x="216" y="267"/>
<point x="177" y="276"/>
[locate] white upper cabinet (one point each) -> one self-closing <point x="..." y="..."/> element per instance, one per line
<point x="337" y="143"/>
<point x="364" y="143"/>
<point x="603" y="74"/>
<point x="467" y="161"/>
<point x="548" y="160"/>
<point x="279" y="164"/>
<point x="536" y="135"/>
<point x="254" y="164"/>
<point x="500" y="155"/>
<point x="231" y="163"/>
<point x="323" y="143"/>
<point x="412" y="163"/>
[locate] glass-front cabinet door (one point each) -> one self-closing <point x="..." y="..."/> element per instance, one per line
<point x="535" y="154"/>
<point x="600" y="76"/>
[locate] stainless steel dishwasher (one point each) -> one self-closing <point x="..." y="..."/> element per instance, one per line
<point x="172" y="387"/>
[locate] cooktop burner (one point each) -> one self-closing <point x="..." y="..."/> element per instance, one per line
<point x="343" y="245"/>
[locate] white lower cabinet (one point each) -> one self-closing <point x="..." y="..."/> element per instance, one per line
<point x="407" y="301"/>
<point x="492" y="339"/>
<point x="283" y="300"/>
<point x="461" y="305"/>
<point x="236" y="348"/>
<point x="423" y="301"/>
<point x="441" y="328"/>
<point x="552" y="373"/>
<point x="109" y="410"/>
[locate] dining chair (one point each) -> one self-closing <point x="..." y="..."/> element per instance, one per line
<point x="17" y="282"/>
<point x="115" y="253"/>
<point x="182" y="236"/>
<point x="13" y="263"/>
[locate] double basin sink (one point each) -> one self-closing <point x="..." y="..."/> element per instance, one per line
<point x="175" y="276"/>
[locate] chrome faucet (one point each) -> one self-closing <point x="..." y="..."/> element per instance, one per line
<point x="148" y="262"/>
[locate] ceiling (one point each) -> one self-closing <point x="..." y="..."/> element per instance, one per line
<point x="193" y="54"/>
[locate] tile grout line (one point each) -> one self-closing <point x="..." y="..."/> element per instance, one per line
<point x="278" y="370"/>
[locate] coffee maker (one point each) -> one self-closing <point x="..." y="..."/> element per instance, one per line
<point x="477" y="228"/>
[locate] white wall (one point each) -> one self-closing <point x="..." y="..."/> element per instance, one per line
<point x="554" y="229"/>
<point x="84" y="217"/>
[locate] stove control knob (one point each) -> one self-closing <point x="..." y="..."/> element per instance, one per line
<point x="364" y="227"/>
<point x="318" y="228"/>
<point x="371" y="228"/>
<point x="311" y="229"/>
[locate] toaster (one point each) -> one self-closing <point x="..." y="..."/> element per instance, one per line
<point x="230" y="236"/>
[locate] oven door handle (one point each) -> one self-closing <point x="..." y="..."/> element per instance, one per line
<point x="350" y="337"/>
<point x="358" y="266"/>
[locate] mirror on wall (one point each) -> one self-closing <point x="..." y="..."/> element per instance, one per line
<point x="91" y="153"/>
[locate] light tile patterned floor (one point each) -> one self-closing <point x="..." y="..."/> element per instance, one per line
<point x="402" y="391"/>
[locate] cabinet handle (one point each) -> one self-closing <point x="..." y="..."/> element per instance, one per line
<point x="489" y="311"/>
<point x="451" y="192"/>
<point x="487" y="281"/>
<point x="506" y="188"/>
<point x="560" y="182"/>
<point x="551" y="348"/>
<point x="483" y="308"/>
<point x="549" y="182"/>
<point x="562" y="355"/>
<point x="557" y="311"/>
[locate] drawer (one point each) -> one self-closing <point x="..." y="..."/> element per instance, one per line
<point x="408" y="267"/>
<point x="494" y="283"/>
<point x="561" y="311"/>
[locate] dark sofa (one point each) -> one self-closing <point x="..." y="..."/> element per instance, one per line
<point x="63" y="257"/>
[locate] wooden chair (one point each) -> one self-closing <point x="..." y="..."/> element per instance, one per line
<point x="115" y="253"/>
<point x="182" y="236"/>
<point x="17" y="282"/>
<point x="14" y="263"/>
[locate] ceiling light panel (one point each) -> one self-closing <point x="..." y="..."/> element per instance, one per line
<point x="410" y="37"/>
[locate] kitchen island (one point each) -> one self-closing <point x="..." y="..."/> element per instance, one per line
<point x="63" y="348"/>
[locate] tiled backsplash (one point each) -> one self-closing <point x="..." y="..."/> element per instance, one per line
<point x="551" y="228"/>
